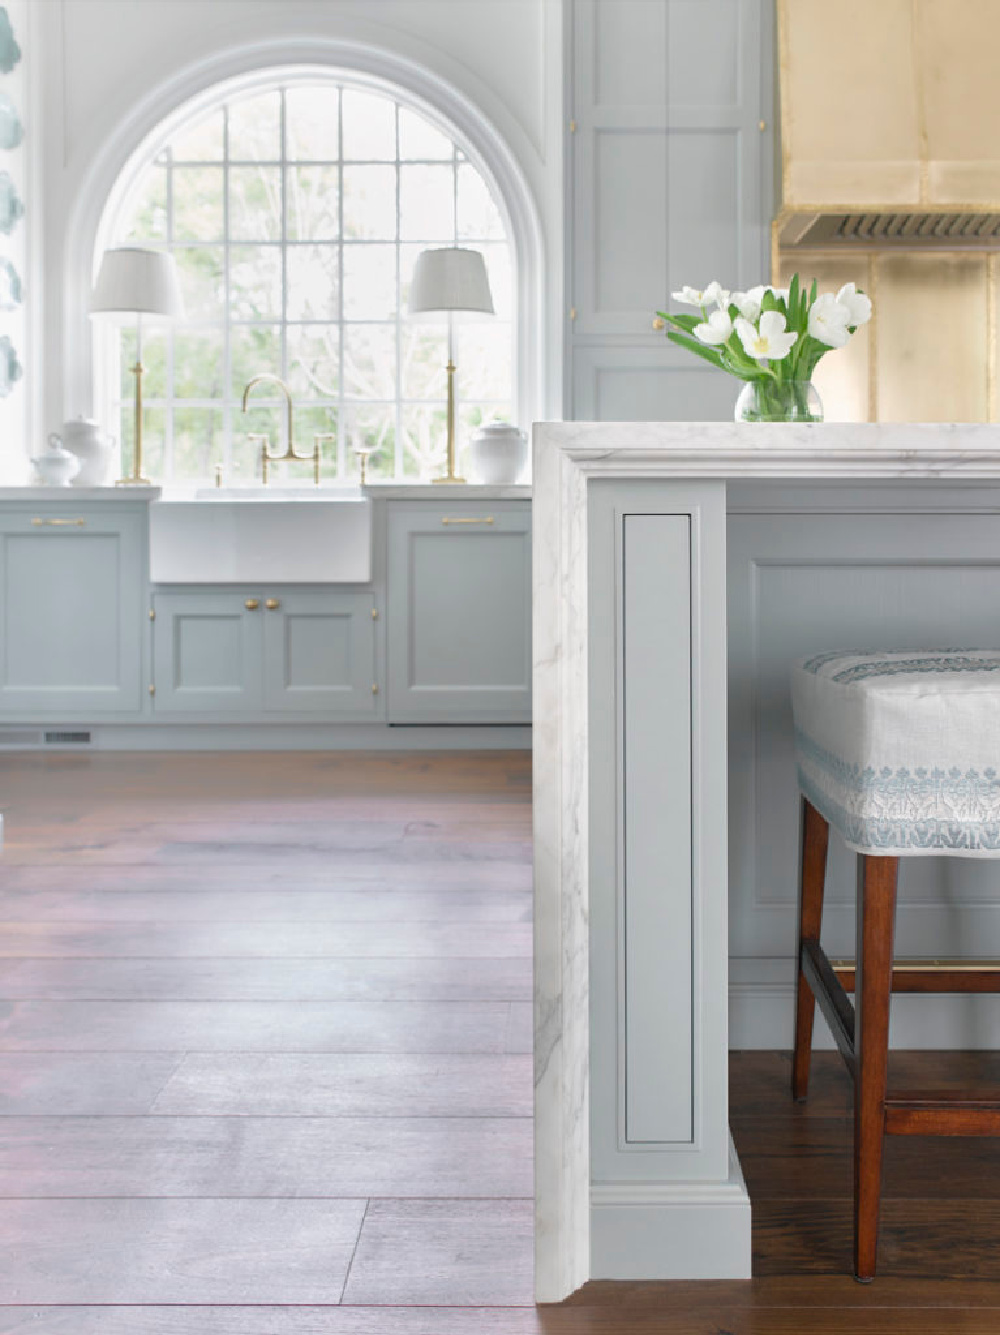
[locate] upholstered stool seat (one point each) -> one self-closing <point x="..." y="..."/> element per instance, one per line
<point x="900" y="754"/>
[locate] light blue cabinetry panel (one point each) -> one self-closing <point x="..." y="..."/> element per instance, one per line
<point x="670" y="183"/>
<point x="459" y="612"/>
<point x="319" y="654"/>
<point x="71" y="609"/>
<point x="207" y="653"/>
<point x="262" y="652"/>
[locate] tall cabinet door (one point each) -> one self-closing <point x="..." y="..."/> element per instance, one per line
<point x="319" y="654"/>
<point x="71" y="608"/>
<point x="459" y="612"/>
<point x="207" y="652"/>
<point x="670" y="162"/>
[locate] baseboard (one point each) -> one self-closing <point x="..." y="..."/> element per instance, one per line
<point x="762" y="1010"/>
<point x="687" y="1230"/>
<point x="282" y="737"/>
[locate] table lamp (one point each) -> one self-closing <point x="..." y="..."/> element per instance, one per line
<point x="140" y="284"/>
<point x="453" y="281"/>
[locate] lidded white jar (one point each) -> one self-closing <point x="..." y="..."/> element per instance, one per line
<point x="498" y="454"/>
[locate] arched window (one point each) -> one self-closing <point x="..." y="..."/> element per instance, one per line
<point x="295" y="211"/>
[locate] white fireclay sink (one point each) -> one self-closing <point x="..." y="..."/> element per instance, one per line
<point x="249" y="535"/>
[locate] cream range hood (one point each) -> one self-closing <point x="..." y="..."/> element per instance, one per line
<point x="890" y="124"/>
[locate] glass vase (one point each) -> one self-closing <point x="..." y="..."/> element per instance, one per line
<point x="792" y="401"/>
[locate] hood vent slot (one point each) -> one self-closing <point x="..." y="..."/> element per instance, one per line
<point x="67" y="739"/>
<point x="958" y="231"/>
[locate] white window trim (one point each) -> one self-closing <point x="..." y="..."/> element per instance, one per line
<point x="115" y="165"/>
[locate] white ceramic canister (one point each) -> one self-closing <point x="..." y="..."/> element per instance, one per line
<point x="498" y="454"/>
<point x="56" y="467"/>
<point x="84" y="439"/>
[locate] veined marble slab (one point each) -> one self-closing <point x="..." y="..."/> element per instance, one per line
<point x="779" y="450"/>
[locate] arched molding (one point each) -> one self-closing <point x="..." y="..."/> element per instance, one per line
<point x="116" y="161"/>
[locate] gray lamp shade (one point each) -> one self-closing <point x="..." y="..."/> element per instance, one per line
<point x="133" y="281"/>
<point x="451" y="279"/>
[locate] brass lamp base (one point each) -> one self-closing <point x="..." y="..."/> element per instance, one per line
<point x="450" y="476"/>
<point x="133" y="482"/>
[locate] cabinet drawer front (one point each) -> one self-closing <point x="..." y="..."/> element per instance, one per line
<point x="206" y="653"/>
<point x="459" y="613"/>
<point x="319" y="654"/>
<point x="71" y="587"/>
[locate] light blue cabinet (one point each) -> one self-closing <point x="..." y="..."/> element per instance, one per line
<point x="71" y="610"/>
<point x="319" y="654"/>
<point x="207" y="653"/>
<point x="263" y="652"/>
<point x="459" y="612"/>
<point x="670" y="183"/>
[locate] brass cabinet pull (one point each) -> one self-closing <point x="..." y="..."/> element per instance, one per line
<point x="487" y="519"/>
<point x="272" y="604"/>
<point x="59" y="523"/>
<point x="252" y="604"/>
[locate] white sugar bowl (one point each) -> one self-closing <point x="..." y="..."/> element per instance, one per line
<point x="498" y="454"/>
<point x="84" y="439"/>
<point x="56" y="467"/>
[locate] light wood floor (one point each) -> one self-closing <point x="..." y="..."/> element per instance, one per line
<point x="265" y="1070"/>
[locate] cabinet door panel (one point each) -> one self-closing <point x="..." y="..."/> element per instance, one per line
<point x="71" y="591"/>
<point x="206" y="653"/>
<point x="460" y="614"/>
<point x="319" y="654"/>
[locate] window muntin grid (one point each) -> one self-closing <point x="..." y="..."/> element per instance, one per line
<point x="318" y="298"/>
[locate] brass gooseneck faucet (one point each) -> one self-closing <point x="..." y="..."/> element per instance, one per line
<point x="266" y="457"/>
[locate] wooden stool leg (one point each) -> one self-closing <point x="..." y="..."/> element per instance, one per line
<point x="815" y="837"/>
<point x="872" y="993"/>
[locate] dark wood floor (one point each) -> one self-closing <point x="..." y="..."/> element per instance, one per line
<point x="265" y="1070"/>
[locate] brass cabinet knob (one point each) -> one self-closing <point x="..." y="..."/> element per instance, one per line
<point x="659" y="324"/>
<point x="252" y="604"/>
<point x="272" y="604"/>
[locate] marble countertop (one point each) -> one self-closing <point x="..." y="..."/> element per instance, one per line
<point x="71" y="495"/>
<point x="777" y="450"/>
<point x="453" y="491"/>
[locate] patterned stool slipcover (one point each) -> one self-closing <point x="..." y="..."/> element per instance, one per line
<point x="900" y="752"/>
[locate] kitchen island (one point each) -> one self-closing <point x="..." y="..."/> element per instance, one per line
<point x="678" y="569"/>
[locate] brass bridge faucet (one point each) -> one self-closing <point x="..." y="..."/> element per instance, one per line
<point x="266" y="457"/>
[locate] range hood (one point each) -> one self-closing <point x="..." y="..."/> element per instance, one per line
<point x="890" y="124"/>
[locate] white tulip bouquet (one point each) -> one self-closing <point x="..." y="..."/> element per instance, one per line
<point x="770" y="337"/>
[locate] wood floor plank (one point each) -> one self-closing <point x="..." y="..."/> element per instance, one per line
<point x="313" y="1085"/>
<point x="373" y="979"/>
<point x="37" y="875"/>
<point x="814" y="1236"/>
<point x="78" y="1083"/>
<point x="266" y="1157"/>
<point x="458" y="1252"/>
<point x="300" y="940"/>
<point x="192" y="1251"/>
<point x="261" y="1026"/>
<point x="375" y="904"/>
<point x="773" y="1150"/>
<point x="275" y="1320"/>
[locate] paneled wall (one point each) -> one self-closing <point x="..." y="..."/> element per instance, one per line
<point x="670" y="167"/>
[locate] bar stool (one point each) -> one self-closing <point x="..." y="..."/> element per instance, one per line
<point x="900" y="753"/>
